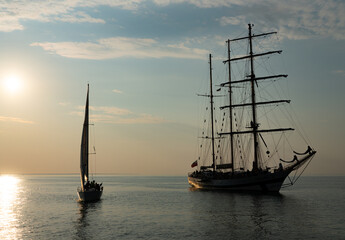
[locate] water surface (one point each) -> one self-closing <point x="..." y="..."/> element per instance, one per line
<point x="134" y="207"/>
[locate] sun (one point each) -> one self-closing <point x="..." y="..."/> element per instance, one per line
<point x="12" y="84"/>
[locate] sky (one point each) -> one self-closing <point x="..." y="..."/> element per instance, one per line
<point x="145" y="62"/>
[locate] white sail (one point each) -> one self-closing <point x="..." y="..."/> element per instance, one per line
<point x="84" y="149"/>
<point x="90" y="190"/>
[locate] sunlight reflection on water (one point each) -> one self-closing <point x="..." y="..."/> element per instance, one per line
<point x="9" y="204"/>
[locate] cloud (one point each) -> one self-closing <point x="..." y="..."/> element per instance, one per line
<point x="14" y="119"/>
<point x="112" y="110"/>
<point x="295" y="19"/>
<point x="13" y="12"/>
<point x="117" y="91"/>
<point x="77" y="17"/>
<point x="339" y="72"/>
<point x="232" y="20"/>
<point x="115" y="115"/>
<point x="205" y="3"/>
<point x="129" y="119"/>
<point x="64" y="104"/>
<point x="9" y="24"/>
<point x="122" y="47"/>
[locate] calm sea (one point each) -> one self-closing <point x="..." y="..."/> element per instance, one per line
<point x="133" y="207"/>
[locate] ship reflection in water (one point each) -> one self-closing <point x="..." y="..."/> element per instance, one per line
<point x="85" y="212"/>
<point x="9" y="207"/>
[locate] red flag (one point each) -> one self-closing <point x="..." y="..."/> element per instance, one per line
<point x="194" y="164"/>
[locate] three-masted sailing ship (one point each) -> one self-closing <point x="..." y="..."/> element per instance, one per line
<point x="89" y="191"/>
<point x="241" y="156"/>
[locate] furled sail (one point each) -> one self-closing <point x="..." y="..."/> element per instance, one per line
<point x="84" y="151"/>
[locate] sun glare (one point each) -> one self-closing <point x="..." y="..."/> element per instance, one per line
<point x="9" y="207"/>
<point x="12" y="84"/>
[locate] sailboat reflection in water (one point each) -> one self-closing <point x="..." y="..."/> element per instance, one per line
<point x="88" y="191"/>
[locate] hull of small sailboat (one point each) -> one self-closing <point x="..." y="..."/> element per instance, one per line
<point x="89" y="196"/>
<point x="262" y="181"/>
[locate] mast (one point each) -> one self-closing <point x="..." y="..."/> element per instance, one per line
<point x="230" y="112"/>
<point x="254" y="125"/>
<point x="253" y="104"/>
<point x="84" y="148"/>
<point x="212" y="124"/>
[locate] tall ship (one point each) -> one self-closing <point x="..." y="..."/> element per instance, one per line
<point x="246" y="149"/>
<point x="89" y="191"/>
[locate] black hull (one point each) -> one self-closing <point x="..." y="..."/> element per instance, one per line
<point x="89" y="196"/>
<point x="261" y="181"/>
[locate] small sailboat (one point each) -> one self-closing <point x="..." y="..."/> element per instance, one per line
<point x="89" y="191"/>
<point x="241" y="156"/>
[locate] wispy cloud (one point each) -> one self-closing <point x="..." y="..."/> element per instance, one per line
<point x="115" y="115"/>
<point x="205" y="3"/>
<point x="117" y="91"/>
<point x="78" y="17"/>
<point x="232" y="20"/>
<point x="14" y="12"/>
<point x="128" y="119"/>
<point x="122" y="47"/>
<point x="339" y="72"/>
<point x="64" y="104"/>
<point x="112" y="110"/>
<point x="15" y="119"/>
<point x="295" y="19"/>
